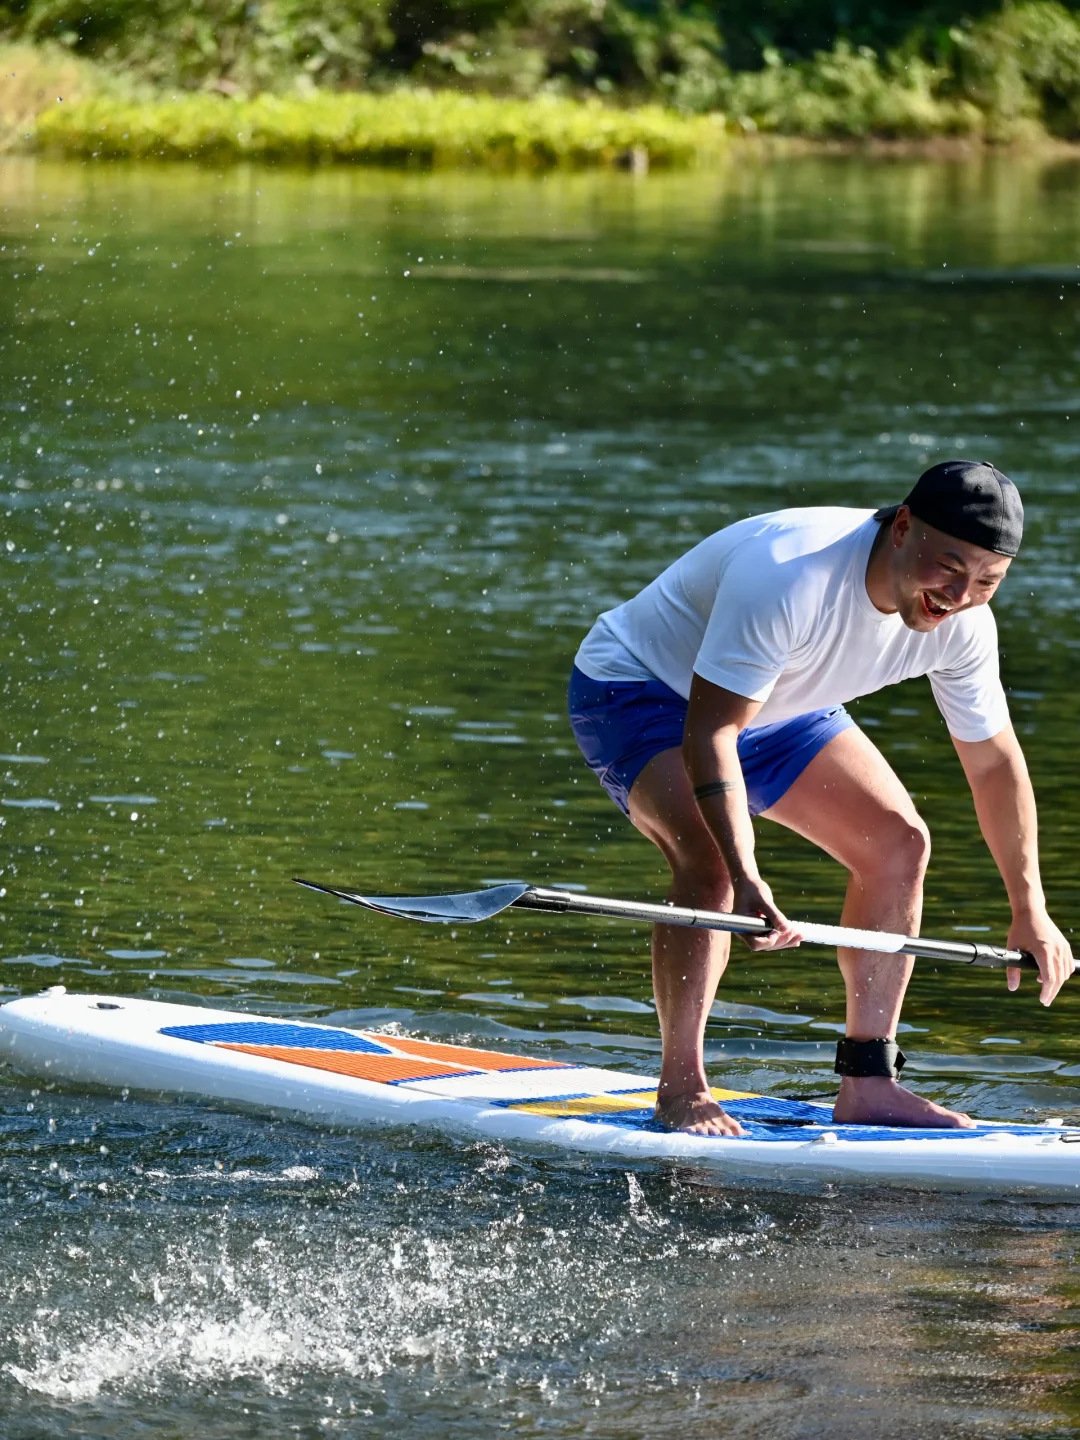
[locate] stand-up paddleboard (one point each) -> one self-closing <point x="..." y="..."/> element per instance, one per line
<point x="331" y="1075"/>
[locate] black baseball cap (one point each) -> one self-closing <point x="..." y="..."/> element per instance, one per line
<point x="970" y="500"/>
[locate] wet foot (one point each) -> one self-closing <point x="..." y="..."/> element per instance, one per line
<point x="877" y="1100"/>
<point x="696" y="1113"/>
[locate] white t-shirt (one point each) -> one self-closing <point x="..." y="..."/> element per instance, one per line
<point x="775" y="608"/>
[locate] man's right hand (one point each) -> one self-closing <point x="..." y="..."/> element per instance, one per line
<point x="753" y="897"/>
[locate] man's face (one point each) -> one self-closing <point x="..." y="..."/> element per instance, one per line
<point x="936" y="576"/>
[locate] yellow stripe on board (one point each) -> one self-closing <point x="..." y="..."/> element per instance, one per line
<point x="610" y="1104"/>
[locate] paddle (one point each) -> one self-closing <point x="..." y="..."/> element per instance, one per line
<point x="474" y="905"/>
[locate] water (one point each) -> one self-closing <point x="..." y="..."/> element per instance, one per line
<point x="296" y="549"/>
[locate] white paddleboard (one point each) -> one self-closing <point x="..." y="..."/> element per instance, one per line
<point x="331" y="1075"/>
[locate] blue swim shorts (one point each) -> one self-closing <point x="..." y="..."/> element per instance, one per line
<point x="620" y="725"/>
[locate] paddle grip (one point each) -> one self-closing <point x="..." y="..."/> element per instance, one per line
<point x="971" y="952"/>
<point x="993" y="957"/>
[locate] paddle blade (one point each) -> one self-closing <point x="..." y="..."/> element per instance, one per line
<point x="465" y="909"/>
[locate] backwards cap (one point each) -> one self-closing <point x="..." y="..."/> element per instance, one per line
<point x="970" y="500"/>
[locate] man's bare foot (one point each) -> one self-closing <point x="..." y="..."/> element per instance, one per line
<point x="877" y="1100"/>
<point x="697" y="1113"/>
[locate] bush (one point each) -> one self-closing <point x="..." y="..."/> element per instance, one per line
<point x="405" y="126"/>
<point x="1013" y="73"/>
<point x="239" y="46"/>
<point x="33" y="78"/>
<point x="518" y="47"/>
<point x="1022" y="68"/>
<point x="560" y="46"/>
<point x="848" y="93"/>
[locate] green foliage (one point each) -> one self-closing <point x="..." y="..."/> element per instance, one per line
<point x="799" y="29"/>
<point x="557" y="46"/>
<point x="1021" y="67"/>
<point x="848" y="93"/>
<point x="958" y="69"/>
<point x="400" y="127"/>
<point x="1013" y="73"/>
<point x="515" y="47"/>
<point x="35" y="77"/>
<point x="234" y="45"/>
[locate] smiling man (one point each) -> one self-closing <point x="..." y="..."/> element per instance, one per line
<point x="718" y="693"/>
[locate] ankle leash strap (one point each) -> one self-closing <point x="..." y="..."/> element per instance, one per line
<point x="869" y="1057"/>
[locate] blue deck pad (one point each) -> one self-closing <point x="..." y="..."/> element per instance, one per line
<point x="775" y="1107"/>
<point x="763" y="1117"/>
<point x="775" y="1110"/>
<point x="262" y="1032"/>
<point x="756" y="1130"/>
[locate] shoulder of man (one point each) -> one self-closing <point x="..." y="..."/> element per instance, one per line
<point x="793" y="540"/>
<point x="779" y="581"/>
<point x="968" y="637"/>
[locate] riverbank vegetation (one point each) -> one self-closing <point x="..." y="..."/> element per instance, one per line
<point x="526" y="81"/>
<point x="401" y="127"/>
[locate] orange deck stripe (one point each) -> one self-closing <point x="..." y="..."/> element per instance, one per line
<point x="381" y="1068"/>
<point x="461" y="1055"/>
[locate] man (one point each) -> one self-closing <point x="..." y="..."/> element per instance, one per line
<point x="717" y="693"/>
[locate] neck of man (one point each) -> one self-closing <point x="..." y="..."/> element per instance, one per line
<point x="879" y="572"/>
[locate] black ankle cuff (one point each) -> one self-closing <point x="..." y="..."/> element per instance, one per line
<point x="869" y="1057"/>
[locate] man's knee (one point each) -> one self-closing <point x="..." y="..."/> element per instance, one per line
<point x="698" y="874"/>
<point x="898" y="851"/>
<point x="699" y="877"/>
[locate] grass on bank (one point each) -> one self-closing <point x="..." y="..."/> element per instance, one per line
<point x="420" y="127"/>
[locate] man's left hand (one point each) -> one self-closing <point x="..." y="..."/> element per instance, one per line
<point x="1036" y="933"/>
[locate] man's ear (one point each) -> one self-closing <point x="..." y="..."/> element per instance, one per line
<point x="901" y="526"/>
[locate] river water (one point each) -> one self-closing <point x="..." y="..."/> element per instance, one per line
<point x="311" y="483"/>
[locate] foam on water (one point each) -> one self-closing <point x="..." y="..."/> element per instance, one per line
<point x="386" y="1289"/>
<point x="286" y="1308"/>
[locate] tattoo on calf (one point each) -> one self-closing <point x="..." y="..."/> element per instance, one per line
<point x="713" y="787"/>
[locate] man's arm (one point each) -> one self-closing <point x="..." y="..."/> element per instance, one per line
<point x="1005" y="805"/>
<point x="713" y="723"/>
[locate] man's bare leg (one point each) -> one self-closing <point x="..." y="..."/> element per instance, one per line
<point x="849" y="802"/>
<point x="687" y="964"/>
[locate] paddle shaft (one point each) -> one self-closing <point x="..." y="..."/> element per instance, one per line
<point x="967" y="952"/>
<point x="470" y="907"/>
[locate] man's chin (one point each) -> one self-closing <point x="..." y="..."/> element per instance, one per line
<point x="916" y="618"/>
